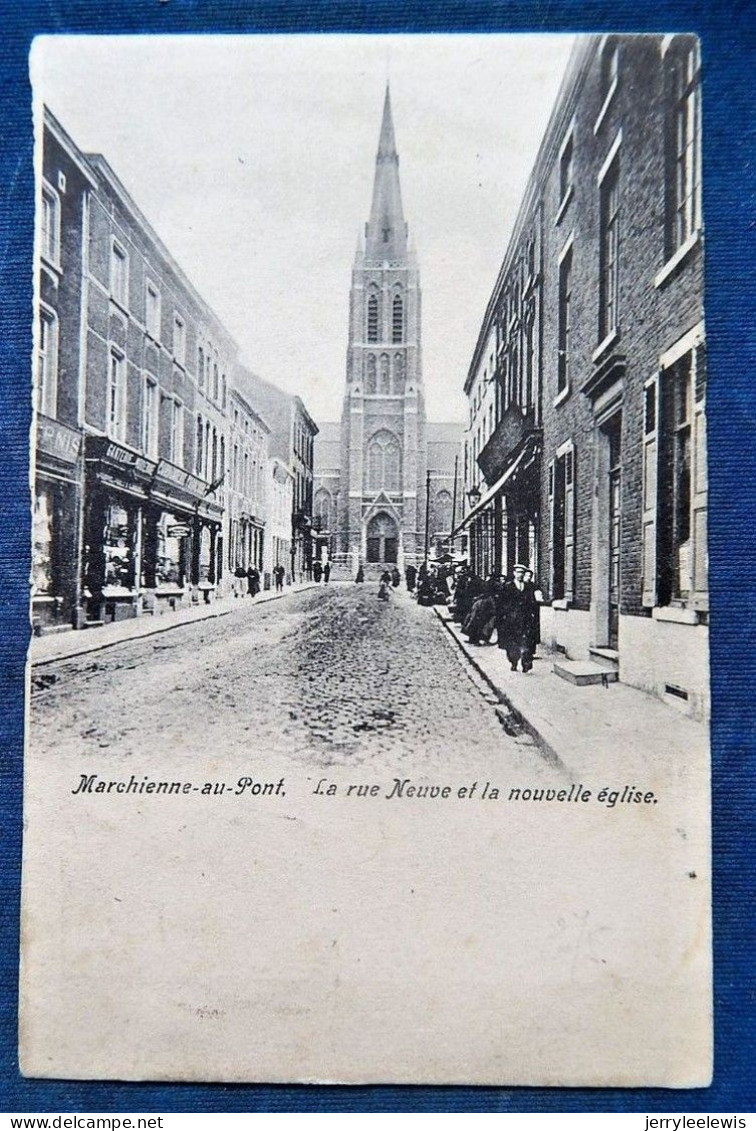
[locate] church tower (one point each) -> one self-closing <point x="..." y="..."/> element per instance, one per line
<point x="383" y="441"/>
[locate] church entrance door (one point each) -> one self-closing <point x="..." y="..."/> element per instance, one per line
<point x="382" y="539"/>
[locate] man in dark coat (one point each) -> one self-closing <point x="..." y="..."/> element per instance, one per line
<point x="253" y="581"/>
<point x="317" y="571"/>
<point x="327" y="572"/>
<point x="411" y="575"/>
<point x="517" y="620"/>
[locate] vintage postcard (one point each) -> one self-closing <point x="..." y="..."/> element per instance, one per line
<point x="368" y="689"/>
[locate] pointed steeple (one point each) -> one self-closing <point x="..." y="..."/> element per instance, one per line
<point x="386" y="231"/>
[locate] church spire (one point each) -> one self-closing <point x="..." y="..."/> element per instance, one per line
<point x="386" y="231"/>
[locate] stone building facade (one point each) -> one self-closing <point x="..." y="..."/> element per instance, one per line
<point x="247" y="490"/>
<point x="591" y="460"/>
<point x="378" y="509"/>
<point x="292" y="440"/>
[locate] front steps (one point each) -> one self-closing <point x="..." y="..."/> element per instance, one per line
<point x="584" y="672"/>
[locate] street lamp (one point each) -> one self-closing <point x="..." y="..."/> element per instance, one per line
<point x="474" y="496"/>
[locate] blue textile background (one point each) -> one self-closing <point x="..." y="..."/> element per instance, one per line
<point x="727" y="31"/>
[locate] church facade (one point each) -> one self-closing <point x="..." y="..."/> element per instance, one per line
<point x="371" y="488"/>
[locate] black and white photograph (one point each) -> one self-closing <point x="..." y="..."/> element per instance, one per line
<point x="368" y="691"/>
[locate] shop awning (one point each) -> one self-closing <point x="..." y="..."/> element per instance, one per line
<point x="525" y="458"/>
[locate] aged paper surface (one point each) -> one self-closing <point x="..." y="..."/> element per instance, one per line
<point x="299" y="804"/>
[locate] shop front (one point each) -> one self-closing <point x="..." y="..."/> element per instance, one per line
<point x="55" y="526"/>
<point x="152" y="538"/>
<point x="502" y="524"/>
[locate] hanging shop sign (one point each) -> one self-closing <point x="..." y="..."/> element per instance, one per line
<point x="178" y="530"/>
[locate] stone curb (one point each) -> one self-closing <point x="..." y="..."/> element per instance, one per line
<point x="91" y="643"/>
<point x="546" y="748"/>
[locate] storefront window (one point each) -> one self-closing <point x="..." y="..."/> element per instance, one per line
<point x="42" y="544"/>
<point x="118" y="548"/>
<point x="171" y="554"/>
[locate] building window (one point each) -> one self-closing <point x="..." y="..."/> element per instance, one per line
<point x="565" y="169"/>
<point x="323" y="510"/>
<point x="609" y="251"/>
<point x="675" y="566"/>
<point x="119" y="274"/>
<point x="443" y="509"/>
<point x="152" y="311"/>
<point x="179" y="340"/>
<point x="50" y="224"/>
<point x="200" y="367"/>
<point x="565" y="318"/>
<point x="47" y="363"/>
<point x="150" y="419"/>
<point x="384" y="462"/>
<point x="199" y="445"/>
<point x="372" y="318"/>
<point x="686" y="185"/>
<point x="175" y="411"/>
<point x="677" y="486"/>
<point x="116" y="414"/>
<point x="397" y="320"/>
<point x="384" y="384"/>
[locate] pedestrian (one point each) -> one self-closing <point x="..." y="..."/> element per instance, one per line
<point x="411" y="577"/>
<point x="253" y="581"/>
<point x="360" y="575"/>
<point x="278" y="576"/>
<point x="425" y="590"/>
<point x="396" y="578"/>
<point x="481" y="620"/>
<point x="327" y="572"/>
<point x="317" y="571"/>
<point x="384" y="588"/>
<point x="517" y="619"/>
<point x="240" y="575"/>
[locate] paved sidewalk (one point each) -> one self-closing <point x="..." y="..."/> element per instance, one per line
<point x="65" y="645"/>
<point x="589" y="727"/>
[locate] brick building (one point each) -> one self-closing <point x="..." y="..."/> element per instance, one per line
<point x="157" y="361"/>
<point x="586" y="438"/>
<point x="375" y="487"/>
<point x="133" y="386"/>
<point x="67" y="181"/>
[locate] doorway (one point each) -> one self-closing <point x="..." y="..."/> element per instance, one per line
<point x="382" y="539"/>
<point x="613" y="433"/>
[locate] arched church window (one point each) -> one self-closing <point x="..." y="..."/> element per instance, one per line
<point x="323" y="509"/>
<point x="397" y="322"/>
<point x="398" y="373"/>
<point x="372" y="318"/>
<point x="383" y="384"/>
<point x="370" y="374"/>
<point x="443" y="512"/>
<point x="383" y="462"/>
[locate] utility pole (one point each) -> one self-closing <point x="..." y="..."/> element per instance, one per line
<point x="454" y="506"/>
<point x="427" y="514"/>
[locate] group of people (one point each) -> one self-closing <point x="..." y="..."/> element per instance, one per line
<point x="321" y="571"/>
<point x="508" y="606"/>
<point x="248" y="582"/>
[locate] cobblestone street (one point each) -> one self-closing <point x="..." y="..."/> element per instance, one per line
<point x="327" y="677"/>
